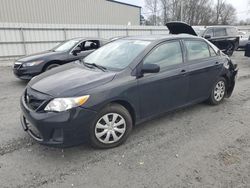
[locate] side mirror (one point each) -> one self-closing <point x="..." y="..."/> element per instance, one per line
<point x="77" y="50"/>
<point x="150" y="68"/>
<point x="207" y="37"/>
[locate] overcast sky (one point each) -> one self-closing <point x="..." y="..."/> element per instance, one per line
<point x="240" y="5"/>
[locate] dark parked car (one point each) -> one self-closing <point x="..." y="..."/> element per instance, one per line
<point x="68" y="51"/>
<point x="226" y="38"/>
<point x="126" y="82"/>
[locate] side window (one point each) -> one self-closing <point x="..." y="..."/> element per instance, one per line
<point x="232" y="31"/>
<point x="167" y="54"/>
<point x="197" y="49"/>
<point x="209" y="32"/>
<point x="212" y="52"/>
<point x="91" y="45"/>
<point x="81" y="45"/>
<point x="220" y="32"/>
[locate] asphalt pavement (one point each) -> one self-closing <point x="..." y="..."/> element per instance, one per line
<point x="199" y="146"/>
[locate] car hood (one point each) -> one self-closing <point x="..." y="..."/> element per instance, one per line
<point x="69" y="80"/>
<point x="180" y="28"/>
<point x="38" y="56"/>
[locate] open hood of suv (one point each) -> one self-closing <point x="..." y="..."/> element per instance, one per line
<point x="180" y="28"/>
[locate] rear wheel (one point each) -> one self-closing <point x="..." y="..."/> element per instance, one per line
<point x="230" y="49"/>
<point x="51" y="66"/>
<point x="111" y="128"/>
<point x="218" y="92"/>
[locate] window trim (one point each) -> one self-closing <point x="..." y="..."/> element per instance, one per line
<point x="196" y="60"/>
<point x="210" y="48"/>
<point x="169" y="67"/>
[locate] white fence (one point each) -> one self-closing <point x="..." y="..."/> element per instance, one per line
<point x="22" y="39"/>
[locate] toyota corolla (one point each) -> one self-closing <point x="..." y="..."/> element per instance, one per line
<point x="122" y="84"/>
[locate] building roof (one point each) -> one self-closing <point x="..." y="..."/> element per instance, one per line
<point x="127" y="4"/>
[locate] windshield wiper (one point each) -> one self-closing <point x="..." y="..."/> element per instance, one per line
<point x="95" y="65"/>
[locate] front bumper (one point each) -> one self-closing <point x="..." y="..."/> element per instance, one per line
<point x="26" y="73"/>
<point x="61" y="129"/>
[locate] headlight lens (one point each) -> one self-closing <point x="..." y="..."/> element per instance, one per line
<point x="33" y="63"/>
<point x="63" y="104"/>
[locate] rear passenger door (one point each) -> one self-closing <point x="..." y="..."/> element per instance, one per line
<point x="204" y="68"/>
<point x="166" y="90"/>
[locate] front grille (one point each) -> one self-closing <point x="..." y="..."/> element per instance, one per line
<point x="35" y="100"/>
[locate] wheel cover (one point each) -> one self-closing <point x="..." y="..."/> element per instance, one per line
<point x="110" y="128"/>
<point x="219" y="91"/>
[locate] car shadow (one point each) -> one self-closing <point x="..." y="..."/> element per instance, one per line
<point x="136" y="137"/>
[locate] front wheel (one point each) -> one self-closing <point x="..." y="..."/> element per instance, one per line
<point x="218" y="92"/>
<point x="111" y="128"/>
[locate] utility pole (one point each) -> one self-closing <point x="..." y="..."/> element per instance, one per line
<point x="155" y="10"/>
<point x="181" y="10"/>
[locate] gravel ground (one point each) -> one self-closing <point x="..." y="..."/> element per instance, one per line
<point x="199" y="146"/>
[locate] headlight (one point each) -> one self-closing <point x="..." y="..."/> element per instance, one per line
<point x="33" y="63"/>
<point x="63" y="104"/>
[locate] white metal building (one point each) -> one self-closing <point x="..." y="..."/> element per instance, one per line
<point x="108" y="12"/>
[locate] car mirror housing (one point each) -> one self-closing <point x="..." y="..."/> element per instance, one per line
<point x="150" y="68"/>
<point x="76" y="51"/>
<point x="207" y="37"/>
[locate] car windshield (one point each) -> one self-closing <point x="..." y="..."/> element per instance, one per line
<point x="65" y="46"/>
<point x="118" y="54"/>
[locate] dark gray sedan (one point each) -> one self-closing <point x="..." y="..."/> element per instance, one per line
<point x="71" y="50"/>
<point x="122" y="84"/>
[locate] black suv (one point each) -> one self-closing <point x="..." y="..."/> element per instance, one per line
<point x="226" y="38"/>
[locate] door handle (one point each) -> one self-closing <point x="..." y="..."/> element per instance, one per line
<point x="216" y="63"/>
<point x="183" y="72"/>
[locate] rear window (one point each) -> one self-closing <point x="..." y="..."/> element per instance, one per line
<point x="232" y="31"/>
<point x="197" y="49"/>
<point x="220" y="32"/>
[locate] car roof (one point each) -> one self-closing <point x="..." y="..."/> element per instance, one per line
<point x="159" y="37"/>
<point x="220" y="26"/>
<point x="87" y="38"/>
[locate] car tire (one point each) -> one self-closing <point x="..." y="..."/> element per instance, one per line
<point x="111" y="127"/>
<point x="218" y="92"/>
<point x="51" y="66"/>
<point x="230" y="49"/>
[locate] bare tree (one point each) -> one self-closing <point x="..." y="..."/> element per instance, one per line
<point x="195" y="12"/>
<point x="152" y="5"/>
<point x="228" y="14"/>
<point x="219" y="8"/>
<point x="165" y="11"/>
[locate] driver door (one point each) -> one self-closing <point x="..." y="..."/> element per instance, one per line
<point x="168" y="89"/>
